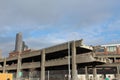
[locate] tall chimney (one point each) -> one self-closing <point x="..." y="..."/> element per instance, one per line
<point x="18" y="44"/>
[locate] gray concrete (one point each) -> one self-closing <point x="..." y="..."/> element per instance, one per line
<point x="18" y="48"/>
<point x="86" y="73"/>
<point x="74" y="66"/>
<point x="94" y="73"/>
<point x="43" y="65"/>
<point x="118" y="72"/>
<point x="4" y="66"/>
<point x="54" y="62"/>
<point x="18" y="67"/>
<point x="23" y="45"/>
<point x="18" y="43"/>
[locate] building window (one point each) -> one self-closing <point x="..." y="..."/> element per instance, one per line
<point x="111" y="48"/>
<point x="101" y="49"/>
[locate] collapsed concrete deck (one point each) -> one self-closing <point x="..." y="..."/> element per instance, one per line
<point x="51" y="58"/>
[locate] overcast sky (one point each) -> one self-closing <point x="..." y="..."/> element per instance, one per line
<point x="48" y="22"/>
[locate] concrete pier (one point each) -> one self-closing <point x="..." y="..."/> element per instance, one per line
<point x="43" y="65"/>
<point x="118" y="72"/>
<point x="74" y="65"/>
<point x="94" y="73"/>
<point x="86" y="73"/>
<point x="4" y="65"/>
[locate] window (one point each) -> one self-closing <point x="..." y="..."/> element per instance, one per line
<point x="111" y="48"/>
<point x="101" y="49"/>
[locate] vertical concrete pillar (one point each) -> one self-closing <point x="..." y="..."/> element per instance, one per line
<point x="118" y="72"/>
<point x="29" y="74"/>
<point x="4" y="65"/>
<point x="94" y="73"/>
<point x="114" y="59"/>
<point x="43" y="65"/>
<point x="74" y="66"/>
<point x="86" y="73"/>
<point x="18" y="67"/>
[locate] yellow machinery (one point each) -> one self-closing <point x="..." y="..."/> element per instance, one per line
<point x="5" y="76"/>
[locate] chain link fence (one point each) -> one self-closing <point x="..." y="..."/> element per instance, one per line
<point x="49" y="75"/>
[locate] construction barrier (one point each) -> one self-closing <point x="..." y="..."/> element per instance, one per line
<point x="6" y="76"/>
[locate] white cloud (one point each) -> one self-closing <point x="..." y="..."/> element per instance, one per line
<point x="53" y="12"/>
<point x="68" y="17"/>
<point x="6" y="46"/>
<point x="42" y="42"/>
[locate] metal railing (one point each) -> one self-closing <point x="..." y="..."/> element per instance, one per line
<point x="26" y="79"/>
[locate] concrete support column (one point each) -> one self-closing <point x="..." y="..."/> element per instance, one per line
<point x="118" y="72"/>
<point x="74" y="66"/>
<point x="29" y="74"/>
<point x="18" y="67"/>
<point x="114" y="59"/>
<point x="94" y="73"/>
<point x="4" y="65"/>
<point x="86" y="73"/>
<point x="43" y="65"/>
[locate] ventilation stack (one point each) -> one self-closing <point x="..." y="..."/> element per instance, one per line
<point x="19" y="42"/>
